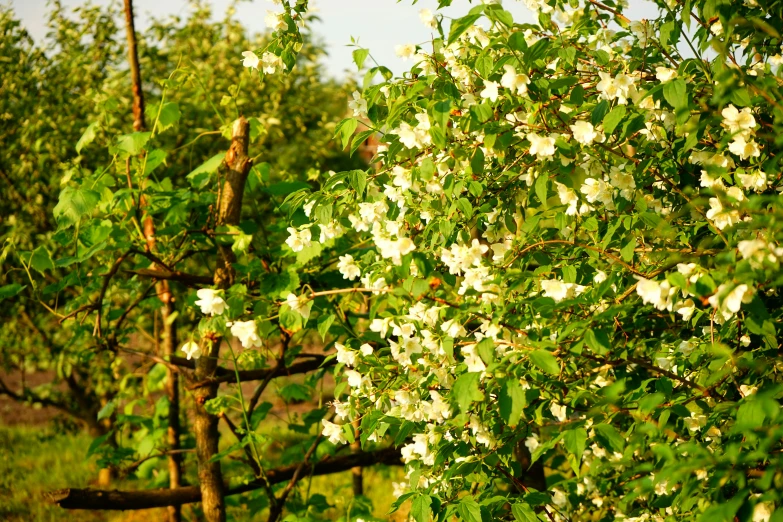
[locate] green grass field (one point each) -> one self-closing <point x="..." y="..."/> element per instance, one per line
<point x="34" y="460"/>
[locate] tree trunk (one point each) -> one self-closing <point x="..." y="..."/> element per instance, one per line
<point x="133" y="61"/>
<point x="357" y="472"/>
<point x="162" y="288"/>
<point x="172" y="391"/>
<point x="206" y="425"/>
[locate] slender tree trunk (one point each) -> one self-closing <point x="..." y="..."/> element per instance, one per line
<point x="205" y="425"/>
<point x="133" y="61"/>
<point x="357" y="472"/>
<point x="172" y="391"/>
<point x="162" y="288"/>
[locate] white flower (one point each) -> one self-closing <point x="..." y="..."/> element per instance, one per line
<point x="559" y="412"/>
<point x="597" y="190"/>
<point x="251" y="60"/>
<point x="395" y="249"/>
<point x="542" y="146"/>
<point x="729" y="303"/>
<point x="748" y="390"/>
<point x="513" y="81"/>
<point x="428" y="19"/>
<point x="559" y="498"/>
<point x="756" y="180"/>
<point x="333" y="432"/>
<point x="556" y="289"/>
<point x="532" y="442"/>
<point x="472" y="359"/>
<point x="348" y="267"/>
<point x="621" y="87"/>
<point x="355" y="378"/>
<point x="247" y="333"/>
<point x="695" y="422"/>
<point x="300" y="305"/>
<point x="743" y="148"/>
<point x="654" y="293"/>
<point x="762" y="512"/>
<point x="721" y="216"/>
<point x="599" y="277"/>
<point x="345" y="355"/>
<point x="358" y="104"/>
<point x="299" y="239"/>
<point x="738" y="121"/>
<point x="330" y="231"/>
<point x="490" y="91"/>
<point x="584" y="132"/>
<point x="192" y="350"/>
<point x="366" y="350"/>
<point x="664" y="74"/>
<point x="210" y="302"/>
<point x="271" y="63"/>
<point x="405" y="51"/>
<point x="275" y="21"/>
<point x="686" y="309"/>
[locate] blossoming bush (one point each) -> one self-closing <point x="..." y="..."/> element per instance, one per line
<point x="568" y="256"/>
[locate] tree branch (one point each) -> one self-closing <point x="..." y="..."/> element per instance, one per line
<point x="92" y="499"/>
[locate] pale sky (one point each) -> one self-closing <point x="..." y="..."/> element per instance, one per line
<point x="379" y="25"/>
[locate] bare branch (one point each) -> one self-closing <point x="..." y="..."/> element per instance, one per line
<point x="92" y="499"/>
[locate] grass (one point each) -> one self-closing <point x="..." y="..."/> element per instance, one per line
<point x="34" y="460"/>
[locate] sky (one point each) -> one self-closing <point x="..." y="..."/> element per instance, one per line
<point x="379" y="25"/>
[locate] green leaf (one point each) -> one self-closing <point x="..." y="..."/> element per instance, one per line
<point x="611" y="436"/>
<point x="613" y="119"/>
<point x="359" y="56"/>
<point x="598" y="341"/>
<point x="750" y="415"/>
<point x="523" y="512"/>
<point x="486" y="350"/>
<point x="107" y="410"/>
<point x="359" y="139"/>
<point x="154" y="160"/>
<point x="73" y="204"/>
<point x="133" y="143"/>
<point x="460" y="25"/>
<point x="10" y="290"/>
<point x="41" y="259"/>
<point x="88" y="136"/>
<point x="546" y="361"/>
<point x="169" y="115"/>
<point x="324" y="323"/>
<point x="541" y="188"/>
<point x="199" y="177"/>
<point x="628" y="249"/>
<point x="575" y="441"/>
<point x="477" y="161"/>
<point x="358" y="180"/>
<point x="466" y="390"/>
<point x="469" y="510"/>
<point x="599" y="112"/>
<point x="345" y="130"/>
<point x="676" y="93"/>
<point x="512" y="401"/>
<point x="420" y="508"/>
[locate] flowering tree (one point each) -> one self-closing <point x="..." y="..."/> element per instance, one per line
<point x="568" y="264"/>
